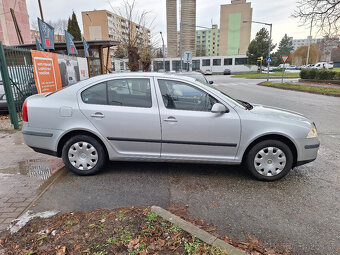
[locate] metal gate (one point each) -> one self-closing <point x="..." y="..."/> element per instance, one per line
<point x="17" y="77"/>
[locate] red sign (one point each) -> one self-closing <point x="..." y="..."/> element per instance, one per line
<point x="47" y="42"/>
<point x="284" y="58"/>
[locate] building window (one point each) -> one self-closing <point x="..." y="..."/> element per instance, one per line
<point x="241" y="61"/>
<point x="228" y="61"/>
<point x="205" y="62"/>
<point x="216" y="62"/>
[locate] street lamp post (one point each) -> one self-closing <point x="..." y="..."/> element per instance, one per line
<point x="163" y="51"/>
<point x="180" y="39"/>
<point x="309" y="39"/>
<point x="270" y="40"/>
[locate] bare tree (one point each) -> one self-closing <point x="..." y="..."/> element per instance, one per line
<point x="59" y="25"/>
<point x="135" y="34"/>
<point x="322" y="14"/>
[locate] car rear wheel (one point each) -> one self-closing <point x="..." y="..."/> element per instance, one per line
<point x="83" y="155"/>
<point x="269" y="160"/>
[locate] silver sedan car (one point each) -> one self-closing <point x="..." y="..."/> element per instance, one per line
<point x="159" y="117"/>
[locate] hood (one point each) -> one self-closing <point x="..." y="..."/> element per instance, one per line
<point x="278" y="113"/>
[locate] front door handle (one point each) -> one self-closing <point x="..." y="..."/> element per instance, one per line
<point x="97" y="115"/>
<point x="171" y="119"/>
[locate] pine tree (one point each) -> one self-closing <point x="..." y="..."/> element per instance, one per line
<point x="285" y="48"/>
<point x="259" y="46"/>
<point x="73" y="27"/>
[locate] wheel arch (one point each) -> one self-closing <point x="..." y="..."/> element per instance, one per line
<point x="72" y="133"/>
<point x="278" y="137"/>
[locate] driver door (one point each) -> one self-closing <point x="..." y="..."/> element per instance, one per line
<point x="189" y="129"/>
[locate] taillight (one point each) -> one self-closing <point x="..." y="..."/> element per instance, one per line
<point x="24" y="112"/>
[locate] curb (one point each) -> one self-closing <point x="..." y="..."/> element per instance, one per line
<point x="197" y="232"/>
<point x="59" y="172"/>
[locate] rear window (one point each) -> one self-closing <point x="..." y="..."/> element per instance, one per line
<point x="120" y="92"/>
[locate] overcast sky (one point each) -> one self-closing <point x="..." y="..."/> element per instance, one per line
<point x="277" y="12"/>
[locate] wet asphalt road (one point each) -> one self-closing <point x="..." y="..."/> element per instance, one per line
<point x="302" y="211"/>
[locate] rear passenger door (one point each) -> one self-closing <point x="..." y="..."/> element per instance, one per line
<point x="125" y="111"/>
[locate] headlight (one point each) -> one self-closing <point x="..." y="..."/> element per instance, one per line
<point x="312" y="132"/>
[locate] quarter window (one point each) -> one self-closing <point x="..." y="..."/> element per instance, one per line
<point x="182" y="96"/>
<point x="95" y="94"/>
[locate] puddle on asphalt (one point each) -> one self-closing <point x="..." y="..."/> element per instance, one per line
<point x="36" y="168"/>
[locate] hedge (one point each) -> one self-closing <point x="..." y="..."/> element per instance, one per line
<point x="315" y="74"/>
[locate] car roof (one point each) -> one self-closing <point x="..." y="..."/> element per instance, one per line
<point x="140" y="74"/>
<point x="104" y="77"/>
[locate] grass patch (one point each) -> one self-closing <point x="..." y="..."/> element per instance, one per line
<point x="272" y="75"/>
<point x="337" y="69"/>
<point x="305" y="88"/>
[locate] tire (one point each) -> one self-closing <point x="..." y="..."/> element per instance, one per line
<point x="276" y="162"/>
<point x="83" y="160"/>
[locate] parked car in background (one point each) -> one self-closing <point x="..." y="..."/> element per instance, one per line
<point x="226" y="72"/>
<point x="323" y="65"/>
<point x="160" y="117"/>
<point x="196" y="75"/>
<point x="3" y="102"/>
<point x="207" y="72"/>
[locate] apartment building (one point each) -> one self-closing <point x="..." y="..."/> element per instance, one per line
<point x="105" y="25"/>
<point x="208" y="41"/>
<point x="304" y="42"/>
<point x="36" y="34"/>
<point x="8" y="34"/>
<point x="235" y="33"/>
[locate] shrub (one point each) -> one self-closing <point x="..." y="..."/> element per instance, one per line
<point x="314" y="74"/>
<point x="326" y="75"/>
<point x="304" y="74"/>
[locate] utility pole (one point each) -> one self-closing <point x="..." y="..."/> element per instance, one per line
<point x="269" y="49"/>
<point x="163" y="51"/>
<point x="41" y="12"/>
<point x="309" y="38"/>
<point x="180" y="45"/>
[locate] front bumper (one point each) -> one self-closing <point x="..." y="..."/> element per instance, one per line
<point x="307" y="150"/>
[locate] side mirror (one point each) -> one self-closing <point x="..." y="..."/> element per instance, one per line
<point x="211" y="82"/>
<point x="219" y="108"/>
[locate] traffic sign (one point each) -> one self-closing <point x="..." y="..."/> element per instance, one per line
<point x="284" y="58"/>
<point x="269" y="59"/>
<point x="187" y="57"/>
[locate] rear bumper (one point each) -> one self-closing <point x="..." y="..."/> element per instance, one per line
<point x="41" y="140"/>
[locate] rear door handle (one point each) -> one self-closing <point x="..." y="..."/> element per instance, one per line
<point x="97" y="115"/>
<point x="171" y="119"/>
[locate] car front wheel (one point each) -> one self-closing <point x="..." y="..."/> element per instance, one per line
<point x="269" y="160"/>
<point x="83" y="155"/>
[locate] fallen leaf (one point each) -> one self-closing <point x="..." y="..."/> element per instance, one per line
<point x="61" y="250"/>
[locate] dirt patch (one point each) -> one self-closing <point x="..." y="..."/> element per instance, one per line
<point x="133" y="230"/>
<point x="118" y="231"/>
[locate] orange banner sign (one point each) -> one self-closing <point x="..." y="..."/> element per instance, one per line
<point x="46" y="71"/>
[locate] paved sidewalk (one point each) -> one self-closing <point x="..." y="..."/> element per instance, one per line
<point x="22" y="174"/>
